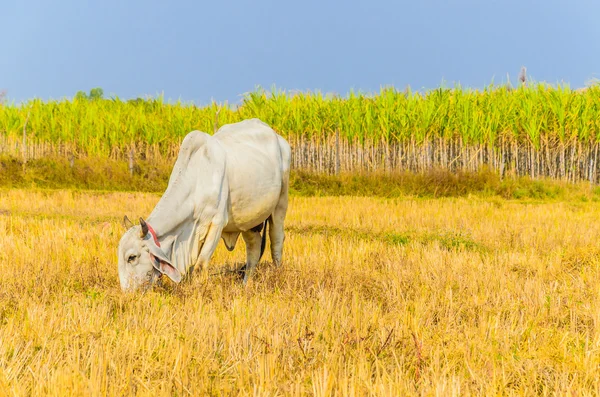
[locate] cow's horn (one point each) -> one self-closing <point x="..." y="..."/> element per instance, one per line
<point x="127" y="223"/>
<point x="144" y="228"/>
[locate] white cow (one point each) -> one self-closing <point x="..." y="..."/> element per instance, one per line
<point x="234" y="182"/>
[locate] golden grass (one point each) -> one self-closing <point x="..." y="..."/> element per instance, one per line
<point x="376" y="297"/>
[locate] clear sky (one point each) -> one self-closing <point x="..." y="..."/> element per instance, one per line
<point x="203" y="50"/>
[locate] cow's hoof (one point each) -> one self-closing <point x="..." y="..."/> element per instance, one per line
<point x="241" y="272"/>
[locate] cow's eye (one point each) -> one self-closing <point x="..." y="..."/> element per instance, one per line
<point x="131" y="258"/>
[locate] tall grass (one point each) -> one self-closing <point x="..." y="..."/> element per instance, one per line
<point x="534" y="130"/>
<point x="379" y="297"/>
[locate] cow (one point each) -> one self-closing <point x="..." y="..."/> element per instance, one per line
<point x="233" y="182"/>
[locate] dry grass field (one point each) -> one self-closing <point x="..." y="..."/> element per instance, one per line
<point x="376" y="297"/>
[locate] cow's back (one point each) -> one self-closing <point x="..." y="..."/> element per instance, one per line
<point x="255" y="168"/>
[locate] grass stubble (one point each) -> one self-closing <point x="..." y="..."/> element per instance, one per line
<point x="450" y="296"/>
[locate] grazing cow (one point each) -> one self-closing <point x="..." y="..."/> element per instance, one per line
<point x="234" y="182"/>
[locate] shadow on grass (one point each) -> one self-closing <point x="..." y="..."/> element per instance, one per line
<point x="449" y="241"/>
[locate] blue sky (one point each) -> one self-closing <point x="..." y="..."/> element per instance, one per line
<point x="200" y="51"/>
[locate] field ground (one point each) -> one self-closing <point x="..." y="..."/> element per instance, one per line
<point x="404" y="296"/>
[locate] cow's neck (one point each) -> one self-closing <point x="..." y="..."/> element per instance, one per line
<point x="175" y="226"/>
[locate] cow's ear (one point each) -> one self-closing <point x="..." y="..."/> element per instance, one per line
<point x="166" y="268"/>
<point x="170" y="271"/>
<point x="162" y="263"/>
<point x="127" y="224"/>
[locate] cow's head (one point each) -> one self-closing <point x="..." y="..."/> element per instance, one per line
<point x="141" y="259"/>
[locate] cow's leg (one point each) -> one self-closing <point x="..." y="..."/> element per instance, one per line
<point x="252" y="239"/>
<point x="208" y="248"/>
<point x="276" y="221"/>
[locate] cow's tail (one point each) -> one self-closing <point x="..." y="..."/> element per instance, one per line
<point x="263" y="242"/>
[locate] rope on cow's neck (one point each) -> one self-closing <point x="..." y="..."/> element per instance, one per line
<point x="153" y="233"/>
